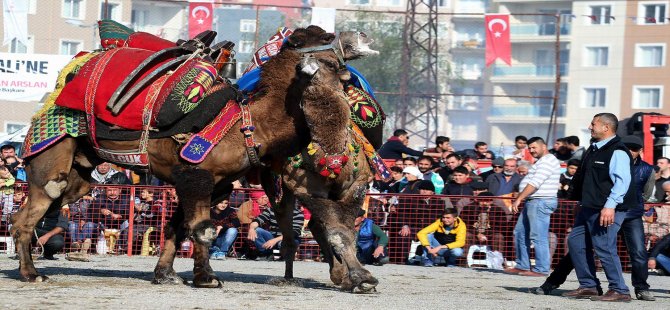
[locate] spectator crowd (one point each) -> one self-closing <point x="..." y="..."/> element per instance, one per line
<point x="441" y="206"/>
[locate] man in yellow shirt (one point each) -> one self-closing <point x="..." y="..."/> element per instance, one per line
<point x="445" y="237"/>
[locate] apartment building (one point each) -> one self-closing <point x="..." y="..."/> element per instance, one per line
<point x="524" y="91"/>
<point x="597" y="62"/>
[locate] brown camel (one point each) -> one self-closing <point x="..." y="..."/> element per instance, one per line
<point x="285" y="124"/>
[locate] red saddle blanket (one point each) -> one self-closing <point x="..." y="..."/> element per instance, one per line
<point x="97" y="80"/>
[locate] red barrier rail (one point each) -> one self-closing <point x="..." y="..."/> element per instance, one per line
<point x="139" y="215"/>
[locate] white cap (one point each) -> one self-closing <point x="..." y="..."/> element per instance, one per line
<point x="414" y="171"/>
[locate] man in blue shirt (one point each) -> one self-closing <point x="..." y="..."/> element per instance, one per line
<point x="603" y="187"/>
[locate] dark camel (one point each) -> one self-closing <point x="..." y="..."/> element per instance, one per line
<point x="285" y="124"/>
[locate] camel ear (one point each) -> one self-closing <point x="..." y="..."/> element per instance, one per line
<point x="327" y="38"/>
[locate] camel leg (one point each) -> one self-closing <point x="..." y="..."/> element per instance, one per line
<point x="338" y="221"/>
<point x="174" y="233"/>
<point x="338" y="271"/>
<point x="194" y="188"/>
<point x="52" y="183"/>
<point x="285" y="220"/>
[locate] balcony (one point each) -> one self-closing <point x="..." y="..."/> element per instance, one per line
<point x="467" y="74"/>
<point x="464" y="103"/>
<point x="525" y="110"/>
<point x="528" y="73"/>
<point x="534" y="32"/>
<point x="469" y="44"/>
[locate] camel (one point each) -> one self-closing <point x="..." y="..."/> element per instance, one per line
<point x="299" y="98"/>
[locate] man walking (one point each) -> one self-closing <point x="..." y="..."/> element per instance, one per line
<point x="603" y="187"/>
<point x="538" y="189"/>
<point x="632" y="228"/>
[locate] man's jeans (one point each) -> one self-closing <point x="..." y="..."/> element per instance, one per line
<point x="633" y="233"/>
<point x="588" y="236"/>
<point x="263" y="236"/>
<point x="663" y="261"/>
<point x="533" y="227"/>
<point x="86" y="232"/>
<point x="450" y="255"/>
<point x="225" y="239"/>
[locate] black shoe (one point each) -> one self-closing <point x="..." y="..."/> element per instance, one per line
<point x="376" y="263"/>
<point x="644" y="295"/>
<point x="47" y="257"/>
<point x="544" y="289"/>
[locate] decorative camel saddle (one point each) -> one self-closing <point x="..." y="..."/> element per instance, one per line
<point x="142" y="86"/>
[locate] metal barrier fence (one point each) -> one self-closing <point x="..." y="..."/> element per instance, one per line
<point x="129" y="220"/>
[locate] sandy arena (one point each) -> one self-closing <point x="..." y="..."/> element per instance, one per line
<point x="123" y="283"/>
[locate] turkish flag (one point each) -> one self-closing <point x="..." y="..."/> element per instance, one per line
<point x="497" y="39"/>
<point x="199" y="18"/>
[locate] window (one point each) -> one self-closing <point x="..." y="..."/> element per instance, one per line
<point x="110" y="11"/>
<point x="594" y="97"/>
<point x="73" y="9"/>
<point x="600" y="14"/>
<point x="70" y="47"/>
<point x="247" y="25"/>
<point x="246" y="47"/>
<point x="596" y="56"/>
<point x="388" y="2"/>
<point x="11" y="128"/>
<point x="647" y="97"/>
<point x="358" y="2"/>
<point x="17" y="46"/>
<point x="442" y="3"/>
<point x="652" y="13"/>
<point x="139" y="18"/>
<point x="650" y="55"/>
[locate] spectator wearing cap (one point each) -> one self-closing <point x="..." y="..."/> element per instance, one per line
<point x="425" y="164"/>
<point x="412" y="175"/>
<point x="505" y="182"/>
<point x="371" y="241"/>
<point x="566" y="178"/>
<point x="496" y="167"/>
<point x="396" y="147"/>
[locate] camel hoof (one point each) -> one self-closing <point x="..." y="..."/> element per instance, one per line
<point x="207" y="281"/>
<point x="35" y="279"/>
<point x="167" y="277"/>
<point x="367" y="287"/>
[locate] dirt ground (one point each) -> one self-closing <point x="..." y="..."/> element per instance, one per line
<point x="124" y="283"/>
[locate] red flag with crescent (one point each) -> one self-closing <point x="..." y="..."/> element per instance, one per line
<point x="498" y="39"/>
<point x="199" y="18"/>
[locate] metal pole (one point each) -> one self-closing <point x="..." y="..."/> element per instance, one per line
<point x="551" y="131"/>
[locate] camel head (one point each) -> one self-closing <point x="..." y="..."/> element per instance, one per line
<point x="356" y="45"/>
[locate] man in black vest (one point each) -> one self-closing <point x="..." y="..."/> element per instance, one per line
<point x="632" y="229"/>
<point x="603" y="187"/>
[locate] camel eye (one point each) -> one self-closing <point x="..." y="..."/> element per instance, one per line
<point x="330" y="64"/>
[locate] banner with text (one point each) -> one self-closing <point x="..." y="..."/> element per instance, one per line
<point x="28" y="77"/>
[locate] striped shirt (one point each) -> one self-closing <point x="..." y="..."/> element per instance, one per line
<point x="545" y="176"/>
<point x="268" y="217"/>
